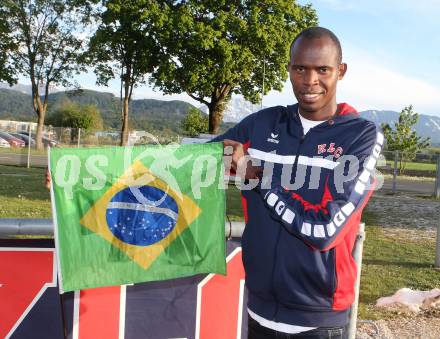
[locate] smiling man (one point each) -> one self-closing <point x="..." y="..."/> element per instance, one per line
<point x="302" y="217"/>
<point x="315" y="68"/>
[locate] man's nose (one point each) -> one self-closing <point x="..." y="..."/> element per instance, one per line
<point x="310" y="77"/>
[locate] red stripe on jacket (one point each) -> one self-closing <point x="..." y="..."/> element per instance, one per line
<point x="243" y="199"/>
<point x="344" y="108"/>
<point x="326" y="197"/>
<point x="346" y="269"/>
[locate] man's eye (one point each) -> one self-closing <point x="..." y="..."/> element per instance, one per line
<point x="299" y="69"/>
<point x="323" y="70"/>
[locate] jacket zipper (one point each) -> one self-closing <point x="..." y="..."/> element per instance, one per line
<point x="295" y="165"/>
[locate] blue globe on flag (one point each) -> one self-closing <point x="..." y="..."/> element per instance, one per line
<point x="141" y="215"/>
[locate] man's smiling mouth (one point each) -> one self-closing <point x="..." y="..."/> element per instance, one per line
<point x="311" y="96"/>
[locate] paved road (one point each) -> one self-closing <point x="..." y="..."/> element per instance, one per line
<point x="21" y="160"/>
<point x="403" y="185"/>
<point x="412" y="186"/>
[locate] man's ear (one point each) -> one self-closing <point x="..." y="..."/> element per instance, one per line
<point x="342" y="69"/>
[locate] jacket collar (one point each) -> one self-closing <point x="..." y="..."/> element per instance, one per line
<point x="344" y="109"/>
<point x="345" y="112"/>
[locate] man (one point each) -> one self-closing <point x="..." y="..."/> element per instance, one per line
<point x="303" y="216"/>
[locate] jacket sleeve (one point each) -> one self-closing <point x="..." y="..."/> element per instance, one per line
<point x="240" y="132"/>
<point x="342" y="203"/>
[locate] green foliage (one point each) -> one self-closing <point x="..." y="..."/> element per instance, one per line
<point x="195" y="122"/>
<point x="403" y="138"/>
<point x="213" y="49"/>
<point x="123" y="46"/>
<point x="75" y="116"/>
<point x="44" y="34"/>
<point x="86" y="117"/>
<point x="15" y="105"/>
<point x="7" y="46"/>
<point x="106" y="103"/>
<point x="155" y="116"/>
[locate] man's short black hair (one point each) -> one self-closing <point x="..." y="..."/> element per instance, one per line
<point x="317" y="32"/>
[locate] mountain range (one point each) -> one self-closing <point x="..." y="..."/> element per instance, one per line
<point x="427" y="126"/>
<point x="166" y="116"/>
<point x="145" y="114"/>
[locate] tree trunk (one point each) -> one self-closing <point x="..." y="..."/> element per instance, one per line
<point x="219" y="99"/>
<point x="126" y="102"/>
<point x="38" y="137"/>
<point x="216" y="110"/>
<point x="40" y="109"/>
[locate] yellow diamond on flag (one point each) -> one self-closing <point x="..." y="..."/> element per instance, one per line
<point x="144" y="241"/>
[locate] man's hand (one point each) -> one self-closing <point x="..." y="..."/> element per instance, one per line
<point x="48" y="179"/>
<point x="237" y="151"/>
<point x="239" y="155"/>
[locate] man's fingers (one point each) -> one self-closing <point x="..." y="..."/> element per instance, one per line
<point x="253" y="172"/>
<point x="235" y="150"/>
<point x="48" y="179"/>
<point x="233" y="143"/>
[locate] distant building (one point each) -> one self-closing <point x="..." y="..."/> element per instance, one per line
<point x="17" y="126"/>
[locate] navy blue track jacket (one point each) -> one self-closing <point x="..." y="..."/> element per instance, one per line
<point x="301" y="225"/>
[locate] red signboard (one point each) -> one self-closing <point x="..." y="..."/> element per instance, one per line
<point x="202" y="307"/>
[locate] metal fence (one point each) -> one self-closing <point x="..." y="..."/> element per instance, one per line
<point x="417" y="173"/>
<point x="26" y="154"/>
<point x="401" y="172"/>
<point x="11" y="228"/>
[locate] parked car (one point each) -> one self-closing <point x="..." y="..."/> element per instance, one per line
<point x="46" y="141"/>
<point x="13" y="141"/>
<point x="4" y="143"/>
<point x="23" y="137"/>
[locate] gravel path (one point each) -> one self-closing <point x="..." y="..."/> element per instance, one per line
<point x="419" y="327"/>
<point x="419" y="218"/>
<point x="405" y="211"/>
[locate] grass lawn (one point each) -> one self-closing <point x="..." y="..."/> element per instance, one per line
<point x="233" y="204"/>
<point x="23" y="150"/>
<point x="22" y="193"/>
<point x="390" y="262"/>
<point x="415" y="166"/>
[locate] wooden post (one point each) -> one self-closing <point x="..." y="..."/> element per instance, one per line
<point x="437" y="248"/>
<point x="396" y="157"/>
<point x="437" y="195"/>
<point x="437" y="181"/>
<point x="357" y="255"/>
<point x="29" y="147"/>
<point x="79" y="137"/>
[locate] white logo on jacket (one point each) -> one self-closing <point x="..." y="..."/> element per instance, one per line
<point x="273" y="138"/>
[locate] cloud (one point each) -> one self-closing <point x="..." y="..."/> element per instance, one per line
<point x="373" y="81"/>
<point x="372" y="84"/>
<point x="421" y="7"/>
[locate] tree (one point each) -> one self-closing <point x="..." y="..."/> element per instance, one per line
<point x="403" y="138"/>
<point x="195" y="122"/>
<point x="124" y="45"/>
<point x="214" y="49"/>
<point x="45" y="33"/>
<point x="6" y="48"/>
<point x="73" y="115"/>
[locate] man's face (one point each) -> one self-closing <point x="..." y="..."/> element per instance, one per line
<point x="314" y="71"/>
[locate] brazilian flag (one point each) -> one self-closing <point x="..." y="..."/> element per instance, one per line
<point x="133" y="214"/>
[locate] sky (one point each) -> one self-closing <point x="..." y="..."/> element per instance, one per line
<point x="392" y="48"/>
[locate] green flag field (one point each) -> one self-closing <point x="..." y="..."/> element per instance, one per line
<point x="133" y="214"/>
